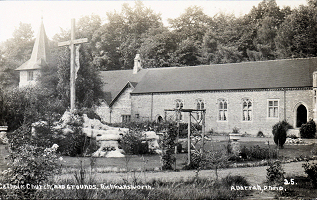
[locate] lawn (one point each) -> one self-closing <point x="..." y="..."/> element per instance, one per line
<point x="152" y="162"/>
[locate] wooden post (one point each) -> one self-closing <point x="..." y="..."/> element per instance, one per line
<point x="71" y="44"/>
<point x="189" y="123"/>
<point x="203" y="131"/>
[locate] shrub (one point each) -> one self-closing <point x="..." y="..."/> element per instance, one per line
<point x="256" y="153"/>
<point x="132" y="143"/>
<point x="279" y="132"/>
<point x="308" y="130"/>
<point x="260" y="134"/>
<point x="30" y="165"/>
<point x="168" y="145"/>
<point x="311" y="171"/>
<point x="275" y="173"/>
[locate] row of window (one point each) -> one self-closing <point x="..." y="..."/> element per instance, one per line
<point x="247" y="108"/>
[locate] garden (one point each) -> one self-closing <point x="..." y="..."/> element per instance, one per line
<point x="41" y="166"/>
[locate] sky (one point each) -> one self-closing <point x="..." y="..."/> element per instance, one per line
<point x="58" y="14"/>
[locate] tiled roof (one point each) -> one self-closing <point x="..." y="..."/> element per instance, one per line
<point x="115" y="81"/>
<point x="39" y="52"/>
<point x="234" y="76"/>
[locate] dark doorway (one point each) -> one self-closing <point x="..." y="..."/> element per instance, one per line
<point x="301" y="117"/>
<point x="159" y="119"/>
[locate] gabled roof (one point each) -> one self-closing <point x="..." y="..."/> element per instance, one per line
<point x="115" y="81"/>
<point x="39" y="53"/>
<point x="288" y="73"/>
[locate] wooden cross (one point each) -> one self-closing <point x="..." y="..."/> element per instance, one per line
<point x="71" y="43"/>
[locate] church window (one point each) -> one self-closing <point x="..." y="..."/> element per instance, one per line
<point x="30" y="76"/>
<point x="126" y="118"/>
<point x="247" y="110"/>
<point x="179" y="104"/>
<point x="200" y="105"/>
<point x="273" y="108"/>
<point x="223" y="110"/>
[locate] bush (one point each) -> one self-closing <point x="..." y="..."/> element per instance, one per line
<point x="30" y="165"/>
<point x="260" y="134"/>
<point x="275" y="173"/>
<point x="256" y="153"/>
<point x="168" y="145"/>
<point x="311" y="171"/>
<point x="132" y="143"/>
<point x="308" y="130"/>
<point x="279" y="132"/>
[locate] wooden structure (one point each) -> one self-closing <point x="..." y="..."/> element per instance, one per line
<point x="71" y="43"/>
<point x="191" y="120"/>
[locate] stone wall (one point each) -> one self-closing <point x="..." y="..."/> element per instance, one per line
<point x="24" y="78"/>
<point x="152" y="105"/>
<point x="122" y="106"/>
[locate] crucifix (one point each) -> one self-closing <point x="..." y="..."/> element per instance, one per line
<point x="71" y="43"/>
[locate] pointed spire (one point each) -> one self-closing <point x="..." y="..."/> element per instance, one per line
<point x="40" y="50"/>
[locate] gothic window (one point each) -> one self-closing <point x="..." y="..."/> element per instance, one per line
<point x="247" y="110"/>
<point x="179" y="104"/>
<point x="222" y="110"/>
<point x="200" y="105"/>
<point x="273" y="108"/>
<point x="126" y="118"/>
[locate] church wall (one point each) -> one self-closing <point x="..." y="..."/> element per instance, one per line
<point x="121" y="107"/>
<point x="103" y="111"/>
<point x="293" y="99"/>
<point x="24" y="78"/>
<point x="142" y="103"/>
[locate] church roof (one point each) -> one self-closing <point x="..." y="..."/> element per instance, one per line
<point x="40" y="52"/>
<point x="115" y="81"/>
<point x="288" y="73"/>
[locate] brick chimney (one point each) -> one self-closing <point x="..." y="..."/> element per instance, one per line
<point x="137" y="64"/>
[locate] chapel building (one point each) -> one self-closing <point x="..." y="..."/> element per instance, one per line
<point x="251" y="96"/>
<point x="31" y="69"/>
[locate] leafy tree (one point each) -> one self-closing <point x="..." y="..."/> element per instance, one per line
<point x="157" y="47"/>
<point x="118" y="41"/>
<point x="297" y="34"/>
<point x="193" y="23"/>
<point x="14" y="52"/>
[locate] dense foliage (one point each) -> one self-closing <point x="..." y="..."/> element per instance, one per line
<point x="275" y="173"/>
<point x="311" y="171"/>
<point x="308" y="130"/>
<point x="279" y="132"/>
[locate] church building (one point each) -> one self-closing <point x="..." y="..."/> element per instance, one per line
<point x="250" y="96"/>
<point x="31" y="69"/>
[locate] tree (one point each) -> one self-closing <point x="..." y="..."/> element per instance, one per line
<point x="297" y="34"/>
<point x="14" y="52"/>
<point x="157" y="47"/>
<point x="118" y="41"/>
<point x="193" y="23"/>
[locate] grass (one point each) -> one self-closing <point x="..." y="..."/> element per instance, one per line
<point x="150" y="162"/>
<point x="195" y="188"/>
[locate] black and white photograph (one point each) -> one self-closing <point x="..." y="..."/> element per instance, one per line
<point x="149" y="99"/>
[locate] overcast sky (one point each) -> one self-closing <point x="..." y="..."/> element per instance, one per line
<point x="57" y="14"/>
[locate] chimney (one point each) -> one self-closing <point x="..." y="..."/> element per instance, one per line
<point x="137" y="64"/>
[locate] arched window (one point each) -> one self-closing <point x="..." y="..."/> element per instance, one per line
<point x="222" y="110"/>
<point x="200" y="105"/>
<point x="179" y="104"/>
<point x="246" y="109"/>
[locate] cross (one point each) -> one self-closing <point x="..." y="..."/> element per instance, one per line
<point x="71" y="43"/>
